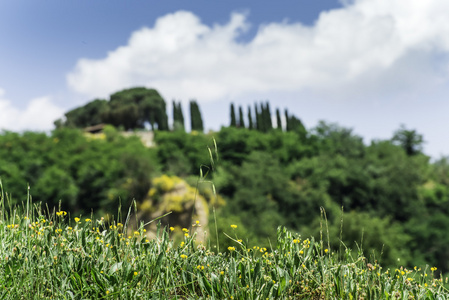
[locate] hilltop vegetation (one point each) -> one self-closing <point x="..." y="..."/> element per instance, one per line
<point x="385" y="197"/>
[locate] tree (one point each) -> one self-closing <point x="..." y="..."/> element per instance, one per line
<point x="178" y="117"/>
<point x="409" y="140"/>
<point x="267" y="117"/>
<point x="233" y="119"/>
<point x="241" y="121"/>
<point x="258" y="118"/>
<point x="195" y="117"/>
<point x="278" y="119"/>
<point x="134" y="108"/>
<point x="84" y="116"/>
<point x="250" y="119"/>
<point x="287" y="120"/>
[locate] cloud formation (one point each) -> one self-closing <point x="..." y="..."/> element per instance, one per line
<point x="38" y="115"/>
<point x="373" y="46"/>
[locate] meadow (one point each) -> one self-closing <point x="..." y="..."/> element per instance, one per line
<point x="51" y="254"/>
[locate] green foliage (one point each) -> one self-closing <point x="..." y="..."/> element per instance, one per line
<point x="83" y="172"/>
<point x="233" y="118"/>
<point x="182" y="153"/>
<point x="178" y="117"/>
<point x="55" y="255"/>
<point x="266" y="177"/>
<point x="250" y="119"/>
<point x="278" y="120"/>
<point x="380" y="239"/>
<point x="88" y="115"/>
<point x="131" y="108"/>
<point x="409" y="140"/>
<point x="195" y="117"/>
<point x="241" y="120"/>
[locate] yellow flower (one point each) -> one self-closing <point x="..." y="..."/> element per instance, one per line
<point x="136" y="273"/>
<point x="87" y="220"/>
<point x="233" y="226"/>
<point x="185" y="230"/>
<point x="326" y="250"/>
<point x="172" y="228"/>
<point x="136" y="233"/>
<point x="231" y="248"/>
<point x="197" y="222"/>
<point x="183" y="256"/>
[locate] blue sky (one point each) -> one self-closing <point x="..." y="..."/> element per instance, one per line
<point x="367" y="64"/>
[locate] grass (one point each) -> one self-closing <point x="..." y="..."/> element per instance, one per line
<point x="53" y="255"/>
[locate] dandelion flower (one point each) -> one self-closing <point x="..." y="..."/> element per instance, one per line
<point x="233" y="226"/>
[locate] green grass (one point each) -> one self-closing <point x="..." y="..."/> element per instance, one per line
<point x="56" y="256"/>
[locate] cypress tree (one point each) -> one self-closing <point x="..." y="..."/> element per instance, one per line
<point x="195" y="117"/>
<point x="278" y="119"/>
<point x="241" y="121"/>
<point x="258" y="118"/>
<point x="250" y="118"/>
<point x="175" y="114"/>
<point x="178" y="117"/>
<point x="181" y="116"/>
<point x="263" y="118"/>
<point x="287" y="120"/>
<point x="233" y="120"/>
<point x="268" y="123"/>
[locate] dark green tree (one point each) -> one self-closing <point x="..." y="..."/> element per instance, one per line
<point x="267" y="117"/>
<point x="258" y="118"/>
<point x="178" y="117"/>
<point x="233" y="118"/>
<point x="278" y="119"/>
<point x="84" y="116"/>
<point x="287" y="121"/>
<point x="250" y="119"/>
<point x="195" y="117"/>
<point x="409" y="140"/>
<point x="134" y="108"/>
<point x="241" y="120"/>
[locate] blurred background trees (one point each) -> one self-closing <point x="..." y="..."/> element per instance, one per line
<point x="385" y="197"/>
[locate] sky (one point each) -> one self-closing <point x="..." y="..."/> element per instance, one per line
<point x="369" y="65"/>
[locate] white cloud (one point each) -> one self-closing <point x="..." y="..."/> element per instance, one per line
<point x="358" y="48"/>
<point x="387" y="59"/>
<point x="38" y="115"/>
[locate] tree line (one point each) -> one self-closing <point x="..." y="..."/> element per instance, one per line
<point x="135" y="108"/>
<point x="139" y="108"/>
